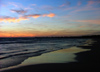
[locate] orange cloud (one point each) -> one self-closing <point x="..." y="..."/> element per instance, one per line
<point x="21" y="18"/>
<point x="89" y="21"/>
<point x="25" y="17"/>
<point x="12" y="19"/>
<point x="8" y="19"/>
<point x="1" y="19"/>
<point x="49" y="15"/>
<point x="36" y="16"/>
<point x="33" y="15"/>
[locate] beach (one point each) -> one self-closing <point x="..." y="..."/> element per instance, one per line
<point x="81" y="58"/>
<point x="49" y="35"/>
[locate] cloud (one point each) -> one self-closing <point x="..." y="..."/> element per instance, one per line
<point x="32" y="15"/>
<point x="88" y="21"/>
<point x="62" y="5"/>
<point x="85" y="8"/>
<point x="12" y="19"/>
<point x="22" y="18"/>
<point x="15" y="4"/>
<point x="33" y="4"/>
<point x="90" y="6"/>
<point x="65" y="4"/>
<point x="25" y="17"/>
<point x="19" y="11"/>
<point x="93" y="2"/>
<point x="39" y="15"/>
<point x="46" y="7"/>
<point x="49" y="15"/>
<point x="90" y="2"/>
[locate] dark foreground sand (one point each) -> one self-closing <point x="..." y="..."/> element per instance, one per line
<point x="87" y="61"/>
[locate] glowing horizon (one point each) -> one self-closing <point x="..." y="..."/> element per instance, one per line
<point x="40" y="18"/>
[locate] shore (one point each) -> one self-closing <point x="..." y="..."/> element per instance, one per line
<point x="86" y="59"/>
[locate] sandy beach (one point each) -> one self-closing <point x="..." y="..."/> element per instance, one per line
<point x="59" y="56"/>
<point x="82" y="58"/>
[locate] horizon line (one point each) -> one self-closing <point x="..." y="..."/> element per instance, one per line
<point x="52" y="36"/>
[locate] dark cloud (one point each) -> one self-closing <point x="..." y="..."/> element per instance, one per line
<point x="19" y="11"/>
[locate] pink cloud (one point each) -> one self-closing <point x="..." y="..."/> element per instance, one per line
<point x="90" y="2"/>
<point x="86" y="8"/>
<point x="89" y="7"/>
<point x="65" y="4"/>
<point x="62" y="5"/>
<point x="93" y="2"/>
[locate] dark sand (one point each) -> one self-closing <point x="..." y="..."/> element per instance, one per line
<point x="87" y="61"/>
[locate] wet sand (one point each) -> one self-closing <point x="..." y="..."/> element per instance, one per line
<point x="82" y="58"/>
<point x="59" y="56"/>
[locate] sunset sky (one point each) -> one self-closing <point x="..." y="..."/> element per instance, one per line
<point x="36" y="18"/>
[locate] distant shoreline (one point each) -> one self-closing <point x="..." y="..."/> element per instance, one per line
<point x="85" y="36"/>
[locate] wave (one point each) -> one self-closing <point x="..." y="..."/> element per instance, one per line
<point x="19" y="49"/>
<point x="22" y="53"/>
<point x="31" y="40"/>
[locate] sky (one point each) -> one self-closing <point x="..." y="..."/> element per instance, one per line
<point x="39" y="18"/>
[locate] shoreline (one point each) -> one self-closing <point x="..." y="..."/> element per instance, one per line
<point x="60" y="56"/>
<point x="85" y="62"/>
